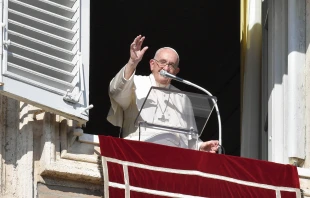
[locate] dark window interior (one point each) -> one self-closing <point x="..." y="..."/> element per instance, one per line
<point x="206" y="36"/>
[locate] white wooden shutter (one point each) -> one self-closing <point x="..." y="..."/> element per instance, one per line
<point x="45" y="54"/>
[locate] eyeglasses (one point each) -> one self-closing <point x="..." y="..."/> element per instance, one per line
<point x="163" y="63"/>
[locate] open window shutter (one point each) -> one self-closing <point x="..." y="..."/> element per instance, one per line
<point x="45" y="54"/>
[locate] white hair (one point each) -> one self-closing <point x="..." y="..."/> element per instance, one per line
<point x="178" y="58"/>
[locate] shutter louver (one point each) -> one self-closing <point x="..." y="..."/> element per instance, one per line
<point x="35" y="57"/>
<point x="42" y="48"/>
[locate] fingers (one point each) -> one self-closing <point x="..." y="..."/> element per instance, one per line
<point x="134" y="44"/>
<point x="138" y="41"/>
<point x="133" y="49"/>
<point x="211" y="146"/>
<point x="215" y="143"/>
<point x="216" y="148"/>
<point x="143" y="50"/>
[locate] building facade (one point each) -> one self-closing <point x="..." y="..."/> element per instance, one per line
<point x="43" y="150"/>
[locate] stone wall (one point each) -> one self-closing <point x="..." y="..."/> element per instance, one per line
<point x="41" y="156"/>
<point x="305" y="177"/>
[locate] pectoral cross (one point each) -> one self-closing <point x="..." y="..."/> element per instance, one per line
<point x="163" y="119"/>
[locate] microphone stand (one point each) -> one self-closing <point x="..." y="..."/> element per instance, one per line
<point x="168" y="75"/>
<point x="216" y="108"/>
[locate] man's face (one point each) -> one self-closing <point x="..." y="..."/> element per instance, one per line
<point x="165" y="59"/>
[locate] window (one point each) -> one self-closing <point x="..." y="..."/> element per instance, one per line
<point x="45" y="55"/>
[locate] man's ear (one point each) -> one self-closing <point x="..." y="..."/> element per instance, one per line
<point x="151" y="64"/>
<point x="177" y="70"/>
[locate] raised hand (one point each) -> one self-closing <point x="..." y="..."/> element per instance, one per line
<point x="136" y="55"/>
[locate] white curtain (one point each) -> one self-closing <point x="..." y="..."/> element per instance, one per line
<point x="251" y="37"/>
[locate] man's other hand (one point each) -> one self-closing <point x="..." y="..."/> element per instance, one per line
<point x="211" y="146"/>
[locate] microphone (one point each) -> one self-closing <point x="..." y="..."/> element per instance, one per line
<point x="168" y="75"/>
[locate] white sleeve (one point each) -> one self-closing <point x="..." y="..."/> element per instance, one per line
<point x="121" y="90"/>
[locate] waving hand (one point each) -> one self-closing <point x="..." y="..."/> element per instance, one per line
<point x="136" y="55"/>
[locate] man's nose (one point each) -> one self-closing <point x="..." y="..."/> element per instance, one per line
<point x="166" y="67"/>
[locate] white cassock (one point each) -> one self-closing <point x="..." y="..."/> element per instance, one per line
<point x="161" y="108"/>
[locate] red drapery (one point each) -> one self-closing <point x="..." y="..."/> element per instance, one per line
<point x="141" y="169"/>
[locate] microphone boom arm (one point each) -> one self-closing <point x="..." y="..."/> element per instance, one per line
<point x="215" y="106"/>
<point x="168" y="75"/>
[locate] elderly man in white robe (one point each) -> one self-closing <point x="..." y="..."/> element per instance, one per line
<point x="127" y="92"/>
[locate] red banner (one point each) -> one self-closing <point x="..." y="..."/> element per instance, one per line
<point x="141" y="169"/>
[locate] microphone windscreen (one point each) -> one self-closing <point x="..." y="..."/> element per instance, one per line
<point x="163" y="73"/>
